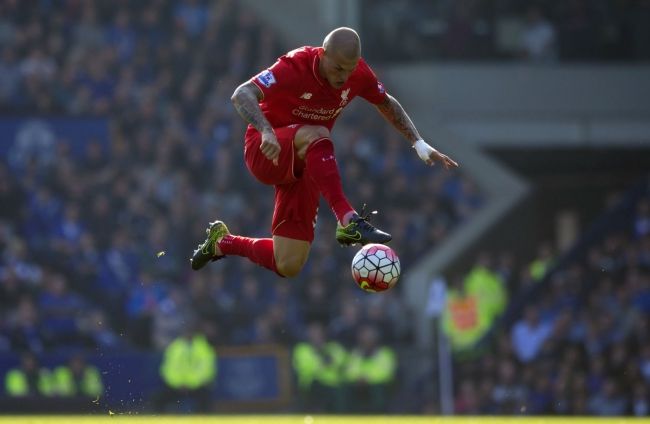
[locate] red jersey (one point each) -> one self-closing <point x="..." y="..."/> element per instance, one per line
<point x="295" y="93"/>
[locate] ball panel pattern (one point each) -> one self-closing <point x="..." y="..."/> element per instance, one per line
<point x="375" y="268"/>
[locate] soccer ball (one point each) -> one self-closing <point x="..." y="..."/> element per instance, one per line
<point x="375" y="268"/>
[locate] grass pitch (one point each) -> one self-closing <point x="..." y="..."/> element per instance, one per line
<point x="306" y="419"/>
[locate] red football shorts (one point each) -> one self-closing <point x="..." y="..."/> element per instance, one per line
<point x="296" y="196"/>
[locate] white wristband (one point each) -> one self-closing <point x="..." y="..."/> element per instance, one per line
<point x="423" y="149"/>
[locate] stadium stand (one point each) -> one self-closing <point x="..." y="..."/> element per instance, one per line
<point x="574" y="342"/>
<point x="96" y="226"/>
<point x="97" y="230"/>
<point x="506" y="30"/>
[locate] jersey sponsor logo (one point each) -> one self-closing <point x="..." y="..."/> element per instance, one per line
<point x="266" y="78"/>
<point x="315" y="113"/>
<point x="306" y="96"/>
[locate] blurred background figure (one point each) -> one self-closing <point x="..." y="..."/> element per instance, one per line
<point x="319" y="365"/>
<point x="188" y="371"/>
<point x="77" y="379"/>
<point x="29" y="379"/>
<point x="370" y="372"/>
<point x="538" y="37"/>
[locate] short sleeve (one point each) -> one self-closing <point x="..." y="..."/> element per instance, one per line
<point x="373" y="90"/>
<point x="276" y="77"/>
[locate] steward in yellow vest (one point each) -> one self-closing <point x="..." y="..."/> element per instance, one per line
<point x="369" y="372"/>
<point x="28" y="379"/>
<point x="489" y="288"/>
<point x="188" y="369"/>
<point x="318" y="365"/>
<point x="465" y="320"/>
<point x="77" y="379"/>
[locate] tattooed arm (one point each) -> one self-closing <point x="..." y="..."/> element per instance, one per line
<point x="397" y="116"/>
<point x="246" y="100"/>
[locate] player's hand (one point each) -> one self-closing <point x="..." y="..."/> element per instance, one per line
<point x="270" y="146"/>
<point x="430" y="155"/>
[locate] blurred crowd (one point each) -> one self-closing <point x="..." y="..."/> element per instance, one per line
<point x="533" y="30"/>
<point x="95" y="247"/>
<point x="582" y="345"/>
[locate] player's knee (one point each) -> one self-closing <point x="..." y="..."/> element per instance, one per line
<point x="289" y="267"/>
<point x="307" y="134"/>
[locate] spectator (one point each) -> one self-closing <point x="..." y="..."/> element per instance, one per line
<point x="343" y="326"/>
<point x="143" y="301"/>
<point x="608" y="401"/>
<point x="508" y="394"/>
<point x="60" y="310"/>
<point x="467" y="401"/>
<point x="24" y="327"/>
<point x="538" y="37"/>
<point x="170" y="318"/>
<point x="640" y="401"/>
<point x="530" y="334"/>
<point x="642" y="219"/>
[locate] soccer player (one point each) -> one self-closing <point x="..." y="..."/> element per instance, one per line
<point x="291" y="108"/>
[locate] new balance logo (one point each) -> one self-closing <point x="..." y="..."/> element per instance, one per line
<point x="306" y="96"/>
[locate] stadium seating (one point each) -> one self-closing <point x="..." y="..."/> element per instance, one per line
<point x="120" y="144"/>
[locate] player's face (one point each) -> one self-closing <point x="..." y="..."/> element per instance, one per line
<point x="336" y="69"/>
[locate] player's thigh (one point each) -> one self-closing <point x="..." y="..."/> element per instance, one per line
<point x="296" y="208"/>
<point x="290" y="254"/>
<point x="263" y="169"/>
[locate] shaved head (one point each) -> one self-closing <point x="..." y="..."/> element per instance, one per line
<point x="343" y="42"/>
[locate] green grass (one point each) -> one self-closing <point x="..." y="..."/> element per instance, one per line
<point x="304" y="419"/>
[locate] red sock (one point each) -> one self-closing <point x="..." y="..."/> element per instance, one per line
<point x="321" y="163"/>
<point x="260" y="251"/>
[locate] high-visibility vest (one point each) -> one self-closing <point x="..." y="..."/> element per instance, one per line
<point x="189" y="363"/>
<point x="377" y="368"/>
<point x="321" y="365"/>
<point x="488" y="288"/>
<point x="64" y="384"/>
<point x="17" y="383"/>
<point x="464" y="320"/>
<point x="538" y="268"/>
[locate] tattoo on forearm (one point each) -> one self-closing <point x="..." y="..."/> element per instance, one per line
<point x="248" y="107"/>
<point x="396" y="115"/>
